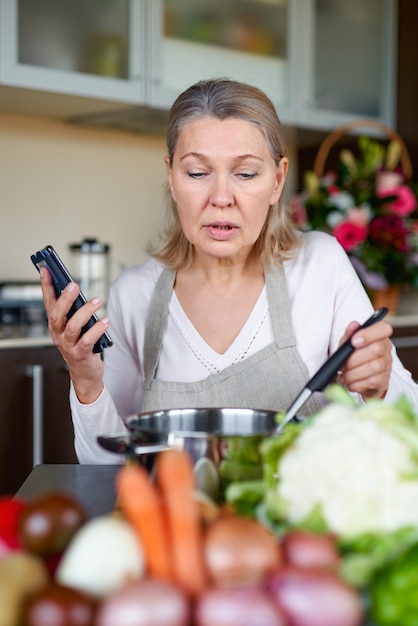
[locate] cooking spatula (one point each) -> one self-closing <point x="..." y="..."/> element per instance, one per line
<point x="327" y="372"/>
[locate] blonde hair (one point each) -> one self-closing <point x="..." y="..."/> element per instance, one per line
<point x="224" y="98"/>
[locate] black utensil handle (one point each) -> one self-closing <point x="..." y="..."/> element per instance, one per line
<point x="327" y="372"/>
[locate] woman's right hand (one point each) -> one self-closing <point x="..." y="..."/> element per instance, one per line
<point x="85" y="366"/>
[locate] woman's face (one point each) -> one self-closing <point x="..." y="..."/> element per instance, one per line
<point x="224" y="179"/>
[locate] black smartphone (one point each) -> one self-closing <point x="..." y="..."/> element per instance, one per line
<point x="47" y="257"/>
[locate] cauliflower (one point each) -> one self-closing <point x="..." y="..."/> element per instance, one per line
<point x="354" y="465"/>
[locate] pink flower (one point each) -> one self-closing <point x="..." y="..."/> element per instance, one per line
<point x="388" y="180"/>
<point x="350" y="235"/>
<point x="404" y="203"/>
<point x="359" y="217"/>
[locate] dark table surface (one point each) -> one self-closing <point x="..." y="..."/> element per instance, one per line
<point x="92" y="485"/>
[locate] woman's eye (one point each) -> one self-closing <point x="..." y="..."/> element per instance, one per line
<point x="247" y="175"/>
<point x="196" y="174"/>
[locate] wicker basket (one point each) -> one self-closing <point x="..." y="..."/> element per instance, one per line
<point x="388" y="297"/>
<point x="331" y="139"/>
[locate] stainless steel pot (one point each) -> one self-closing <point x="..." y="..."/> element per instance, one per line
<point x="212" y="436"/>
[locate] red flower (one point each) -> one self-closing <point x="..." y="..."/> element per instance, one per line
<point x="333" y="189"/>
<point x="389" y="231"/>
<point x="350" y="235"/>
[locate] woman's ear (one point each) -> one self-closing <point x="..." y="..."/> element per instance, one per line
<point x="169" y="175"/>
<point x="281" y="173"/>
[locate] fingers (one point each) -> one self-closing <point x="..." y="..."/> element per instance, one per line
<point x="66" y="332"/>
<point x="368" y="369"/>
<point x="48" y="291"/>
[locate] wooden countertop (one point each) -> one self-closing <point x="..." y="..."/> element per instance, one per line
<point x="403" y="321"/>
<point x="24" y="336"/>
<point x="92" y="485"/>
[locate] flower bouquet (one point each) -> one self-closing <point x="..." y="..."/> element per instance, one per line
<point x="369" y="203"/>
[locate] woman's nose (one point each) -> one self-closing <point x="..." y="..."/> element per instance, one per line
<point x="221" y="192"/>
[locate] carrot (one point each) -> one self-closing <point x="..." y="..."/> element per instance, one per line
<point x="175" y="478"/>
<point x="140" y="502"/>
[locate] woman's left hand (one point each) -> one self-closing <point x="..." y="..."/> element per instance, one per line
<point x="368" y="368"/>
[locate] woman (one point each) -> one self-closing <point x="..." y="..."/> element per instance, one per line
<point x="235" y="307"/>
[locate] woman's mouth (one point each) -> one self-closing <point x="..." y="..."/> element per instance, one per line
<point x="221" y="231"/>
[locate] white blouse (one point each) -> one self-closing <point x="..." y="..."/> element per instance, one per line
<point x="325" y="295"/>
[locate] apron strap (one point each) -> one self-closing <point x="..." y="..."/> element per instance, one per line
<point x="157" y="322"/>
<point x="279" y="307"/>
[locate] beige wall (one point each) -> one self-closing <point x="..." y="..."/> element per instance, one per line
<point x="61" y="183"/>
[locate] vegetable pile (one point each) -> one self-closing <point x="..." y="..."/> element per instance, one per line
<point x="167" y="556"/>
<point x="328" y="536"/>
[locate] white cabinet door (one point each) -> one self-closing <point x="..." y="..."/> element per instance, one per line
<point x="247" y="40"/>
<point x="91" y="48"/>
<point x="322" y="62"/>
<point x="347" y="59"/>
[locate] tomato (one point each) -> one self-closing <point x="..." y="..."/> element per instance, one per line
<point x="49" y="521"/>
<point x="10" y="510"/>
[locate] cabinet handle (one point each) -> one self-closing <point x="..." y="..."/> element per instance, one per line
<point x="36" y="373"/>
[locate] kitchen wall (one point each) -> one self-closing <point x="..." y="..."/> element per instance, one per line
<point x="60" y="183"/>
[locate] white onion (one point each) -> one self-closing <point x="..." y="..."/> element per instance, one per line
<point x="102" y="556"/>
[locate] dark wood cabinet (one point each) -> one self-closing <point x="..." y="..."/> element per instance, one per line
<point x="405" y="339"/>
<point x="407" y="93"/>
<point x="35" y="418"/>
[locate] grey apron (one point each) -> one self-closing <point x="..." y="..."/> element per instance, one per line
<point x="267" y="380"/>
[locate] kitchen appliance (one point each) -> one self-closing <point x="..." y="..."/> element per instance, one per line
<point x="21" y="303"/>
<point x="90" y="267"/>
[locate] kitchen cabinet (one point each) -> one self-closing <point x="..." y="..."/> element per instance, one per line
<point x="405" y="338"/>
<point x="248" y="40"/>
<point x="347" y="62"/>
<point x="90" y="49"/>
<point x="322" y="62"/>
<point x="35" y="419"/>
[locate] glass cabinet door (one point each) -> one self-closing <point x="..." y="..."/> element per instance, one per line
<point x="352" y="59"/>
<point x="82" y="45"/>
<point x="246" y="40"/>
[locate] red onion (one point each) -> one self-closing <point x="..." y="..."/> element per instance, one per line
<point x="238" y="607"/>
<point x="307" y="549"/>
<point x="315" y="597"/>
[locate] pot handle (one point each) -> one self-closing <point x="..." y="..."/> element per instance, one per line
<point x="122" y="444"/>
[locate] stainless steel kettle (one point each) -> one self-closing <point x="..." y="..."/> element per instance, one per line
<point x="90" y="267"/>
